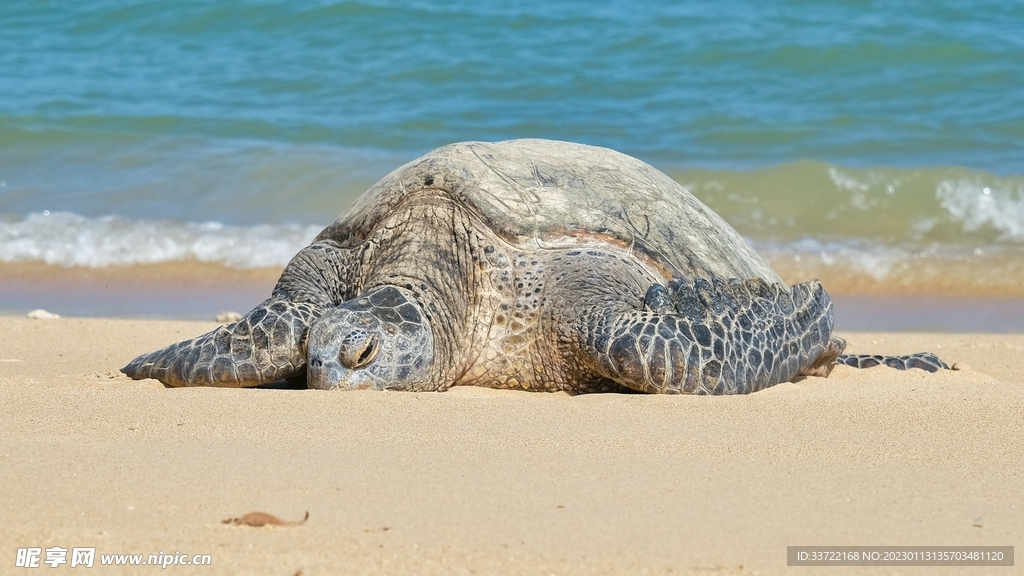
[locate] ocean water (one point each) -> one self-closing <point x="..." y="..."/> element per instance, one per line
<point x="877" y="145"/>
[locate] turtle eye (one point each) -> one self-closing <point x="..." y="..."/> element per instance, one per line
<point x="368" y="353"/>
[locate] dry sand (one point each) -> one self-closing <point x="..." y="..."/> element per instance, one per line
<point x="496" y="482"/>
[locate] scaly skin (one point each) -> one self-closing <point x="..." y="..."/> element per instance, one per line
<point x="714" y="337"/>
<point x="266" y="344"/>
<point x="923" y="360"/>
<point x="377" y="341"/>
<point x="620" y="325"/>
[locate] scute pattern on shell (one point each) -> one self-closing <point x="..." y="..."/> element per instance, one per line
<point x="541" y="193"/>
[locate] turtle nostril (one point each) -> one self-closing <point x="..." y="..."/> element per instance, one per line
<point x="316" y="362"/>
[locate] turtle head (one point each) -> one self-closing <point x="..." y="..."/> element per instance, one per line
<point x="376" y="341"/>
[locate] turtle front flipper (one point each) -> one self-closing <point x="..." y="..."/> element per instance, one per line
<point x="714" y="337"/>
<point x="268" y="343"/>
<point x="923" y="360"/>
<point x="264" y="346"/>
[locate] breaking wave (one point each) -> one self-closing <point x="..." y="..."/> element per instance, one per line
<point x="869" y="229"/>
<point x="68" y="239"/>
<point x="913" y="209"/>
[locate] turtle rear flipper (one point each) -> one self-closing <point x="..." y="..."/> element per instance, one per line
<point x="923" y="360"/>
<point x="823" y="366"/>
<point x="264" y="346"/>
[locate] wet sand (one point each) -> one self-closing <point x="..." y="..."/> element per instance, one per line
<point x="178" y="290"/>
<point x="498" y="482"/>
<point x="198" y="291"/>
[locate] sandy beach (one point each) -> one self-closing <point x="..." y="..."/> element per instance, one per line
<point x="477" y="481"/>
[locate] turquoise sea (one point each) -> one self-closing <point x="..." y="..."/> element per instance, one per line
<point x="873" y="143"/>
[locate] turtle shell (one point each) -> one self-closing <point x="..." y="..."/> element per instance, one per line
<point x="541" y="194"/>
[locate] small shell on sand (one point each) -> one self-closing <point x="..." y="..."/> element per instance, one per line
<point x="40" y="314"/>
<point x="262" y="519"/>
<point x="225" y="317"/>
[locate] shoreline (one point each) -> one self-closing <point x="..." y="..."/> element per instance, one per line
<point x="497" y="481"/>
<point x="189" y="290"/>
<point x="199" y="291"/>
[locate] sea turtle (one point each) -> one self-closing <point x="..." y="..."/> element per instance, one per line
<point x="527" y="264"/>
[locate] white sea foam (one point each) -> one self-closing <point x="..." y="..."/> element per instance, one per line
<point x="874" y="260"/>
<point x="68" y="239"/>
<point x="977" y="204"/>
<point x="865" y="194"/>
<point x="845" y="181"/>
